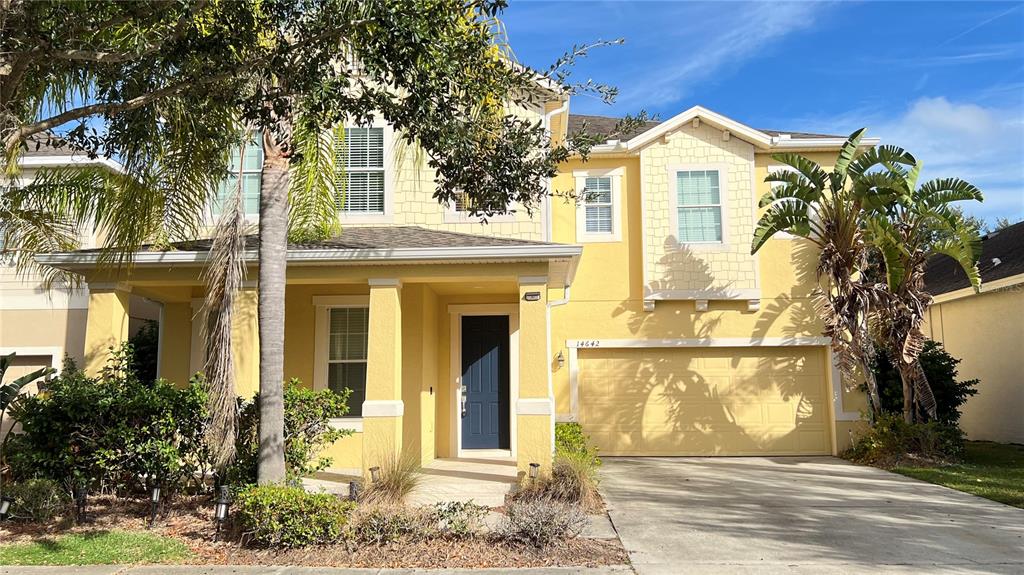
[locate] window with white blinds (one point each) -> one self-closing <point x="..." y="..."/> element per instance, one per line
<point x="360" y="178"/>
<point x="250" y="161"/>
<point x="699" y="206"/>
<point x="597" y="203"/>
<point x="348" y="330"/>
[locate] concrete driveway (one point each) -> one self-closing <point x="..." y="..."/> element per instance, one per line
<point x="807" y="515"/>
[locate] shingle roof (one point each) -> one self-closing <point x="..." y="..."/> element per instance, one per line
<point x="381" y="238"/>
<point x="47" y="145"/>
<point x="606" y="124"/>
<point x="944" y="275"/>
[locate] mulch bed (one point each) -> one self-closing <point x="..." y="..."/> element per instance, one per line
<point x="190" y="521"/>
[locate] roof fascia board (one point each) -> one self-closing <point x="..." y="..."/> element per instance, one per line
<point x="61" y="161"/>
<point x="756" y="137"/>
<point x="986" y="287"/>
<point x="79" y="260"/>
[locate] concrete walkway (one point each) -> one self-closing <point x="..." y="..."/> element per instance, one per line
<point x="801" y="515"/>
<point x="282" y="570"/>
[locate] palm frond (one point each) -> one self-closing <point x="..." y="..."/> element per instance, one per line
<point x="942" y="191"/>
<point x="805" y="167"/>
<point x="848" y="152"/>
<point x="889" y="157"/>
<point x="312" y="192"/>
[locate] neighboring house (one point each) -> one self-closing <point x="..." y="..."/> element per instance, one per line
<point x="42" y="325"/>
<point x="986" y="331"/>
<point x="638" y="312"/>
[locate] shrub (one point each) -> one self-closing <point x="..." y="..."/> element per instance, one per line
<point x="282" y="516"/>
<point x="541" y="522"/>
<point x="113" y="432"/>
<point x="380" y="523"/>
<point x="892" y="441"/>
<point x="460" y="518"/>
<point x="574" y="477"/>
<point x="570" y="439"/>
<point x="397" y="478"/>
<point x="307" y="431"/>
<point x="38" y="500"/>
<point x="940" y="369"/>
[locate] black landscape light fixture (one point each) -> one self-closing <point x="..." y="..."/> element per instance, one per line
<point x="79" y="494"/>
<point x="353" y="490"/>
<point x="374" y="474"/>
<point x="5" y="506"/>
<point x="534" y="472"/>
<point x="154" y="502"/>
<point x="220" y="512"/>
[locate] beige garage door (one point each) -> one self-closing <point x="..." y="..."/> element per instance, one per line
<point x="705" y="401"/>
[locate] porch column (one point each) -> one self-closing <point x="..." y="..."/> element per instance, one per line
<point x="176" y="342"/>
<point x="106" y="324"/>
<point x="534" y="406"/>
<point x="383" y="408"/>
<point x="245" y="341"/>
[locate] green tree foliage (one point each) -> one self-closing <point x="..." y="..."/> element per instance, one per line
<point x="145" y="351"/>
<point x="307" y="426"/>
<point x="941" y="370"/>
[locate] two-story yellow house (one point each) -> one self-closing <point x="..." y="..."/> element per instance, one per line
<point x="638" y="312"/>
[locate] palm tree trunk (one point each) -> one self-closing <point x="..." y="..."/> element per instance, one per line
<point x="273" y="263"/>
<point x="908" y="391"/>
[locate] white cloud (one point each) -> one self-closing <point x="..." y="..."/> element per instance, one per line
<point x="982" y="145"/>
<point x="702" y="41"/>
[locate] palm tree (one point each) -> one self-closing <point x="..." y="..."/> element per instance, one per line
<point x="917" y="223"/>
<point x="827" y="210"/>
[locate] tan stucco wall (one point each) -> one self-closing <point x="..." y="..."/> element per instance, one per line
<point x="986" y="332"/>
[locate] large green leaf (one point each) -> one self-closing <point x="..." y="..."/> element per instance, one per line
<point x="964" y="246"/>
<point x="848" y="152"/>
<point x="781" y="217"/>
<point x="942" y="191"/>
<point x="894" y="255"/>
<point x="805" y="167"/>
<point x="10" y="391"/>
<point x="890" y="157"/>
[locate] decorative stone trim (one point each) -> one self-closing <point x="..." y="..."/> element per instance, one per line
<point x="534" y="406"/>
<point x="383" y="408"/>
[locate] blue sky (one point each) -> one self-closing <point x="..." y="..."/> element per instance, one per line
<point x="944" y="80"/>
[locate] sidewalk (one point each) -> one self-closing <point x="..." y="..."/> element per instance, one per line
<point x="285" y="570"/>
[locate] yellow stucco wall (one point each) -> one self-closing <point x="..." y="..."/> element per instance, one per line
<point x="986" y="331"/>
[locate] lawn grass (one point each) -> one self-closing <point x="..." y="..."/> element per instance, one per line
<point x="99" y="548"/>
<point x="991" y="470"/>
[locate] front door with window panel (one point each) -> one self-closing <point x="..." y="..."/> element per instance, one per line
<point x="485" y="409"/>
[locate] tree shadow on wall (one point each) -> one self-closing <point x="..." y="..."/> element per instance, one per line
<point x="688" y="402"/>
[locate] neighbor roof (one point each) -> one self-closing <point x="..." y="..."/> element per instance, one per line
<point x="606" y="124"/>
<point x="1002" y="256"/>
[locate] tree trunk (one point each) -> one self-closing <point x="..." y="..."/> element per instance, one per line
<point x="908" y="390"/>
<point x="273" y="263"/>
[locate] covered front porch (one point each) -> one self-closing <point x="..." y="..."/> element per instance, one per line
<point x="444" y="346"/>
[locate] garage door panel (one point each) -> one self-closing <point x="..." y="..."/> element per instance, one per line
<point x="704" y="401"/>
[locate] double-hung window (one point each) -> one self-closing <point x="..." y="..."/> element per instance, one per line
<point x="246" y="164"/>
<point x="699" y="206"/>
<point x="360" y="178"/>
<point x="597" y="205"/>
<point x="348" y="330"/>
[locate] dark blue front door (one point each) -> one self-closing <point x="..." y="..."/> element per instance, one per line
<point x="485" y="377"/>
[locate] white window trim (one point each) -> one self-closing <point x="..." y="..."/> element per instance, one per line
<point x="388" y="215"/>
<point x="582" y="235"/>
<point x="321" y="344"/>
<point x="723" y="199"/>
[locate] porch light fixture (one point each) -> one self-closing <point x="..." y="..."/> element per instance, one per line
<point x="534" y="472"/>
<point x="532" y="296"/>
<point x="154" y="502"/>
<point x="374" y="474"/>
<point x="560" y="358"/>
<point x="220" y="513"/>
<point x="5" y="506"/>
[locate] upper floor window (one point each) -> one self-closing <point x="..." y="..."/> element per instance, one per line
<point x="360" y="158"/>
<point x="247" y="164"/>
<point x="597" y="205"/>
<point x="348" y="333"/>
<point x="699" y="206"/>
<point x="598" y="210"/>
